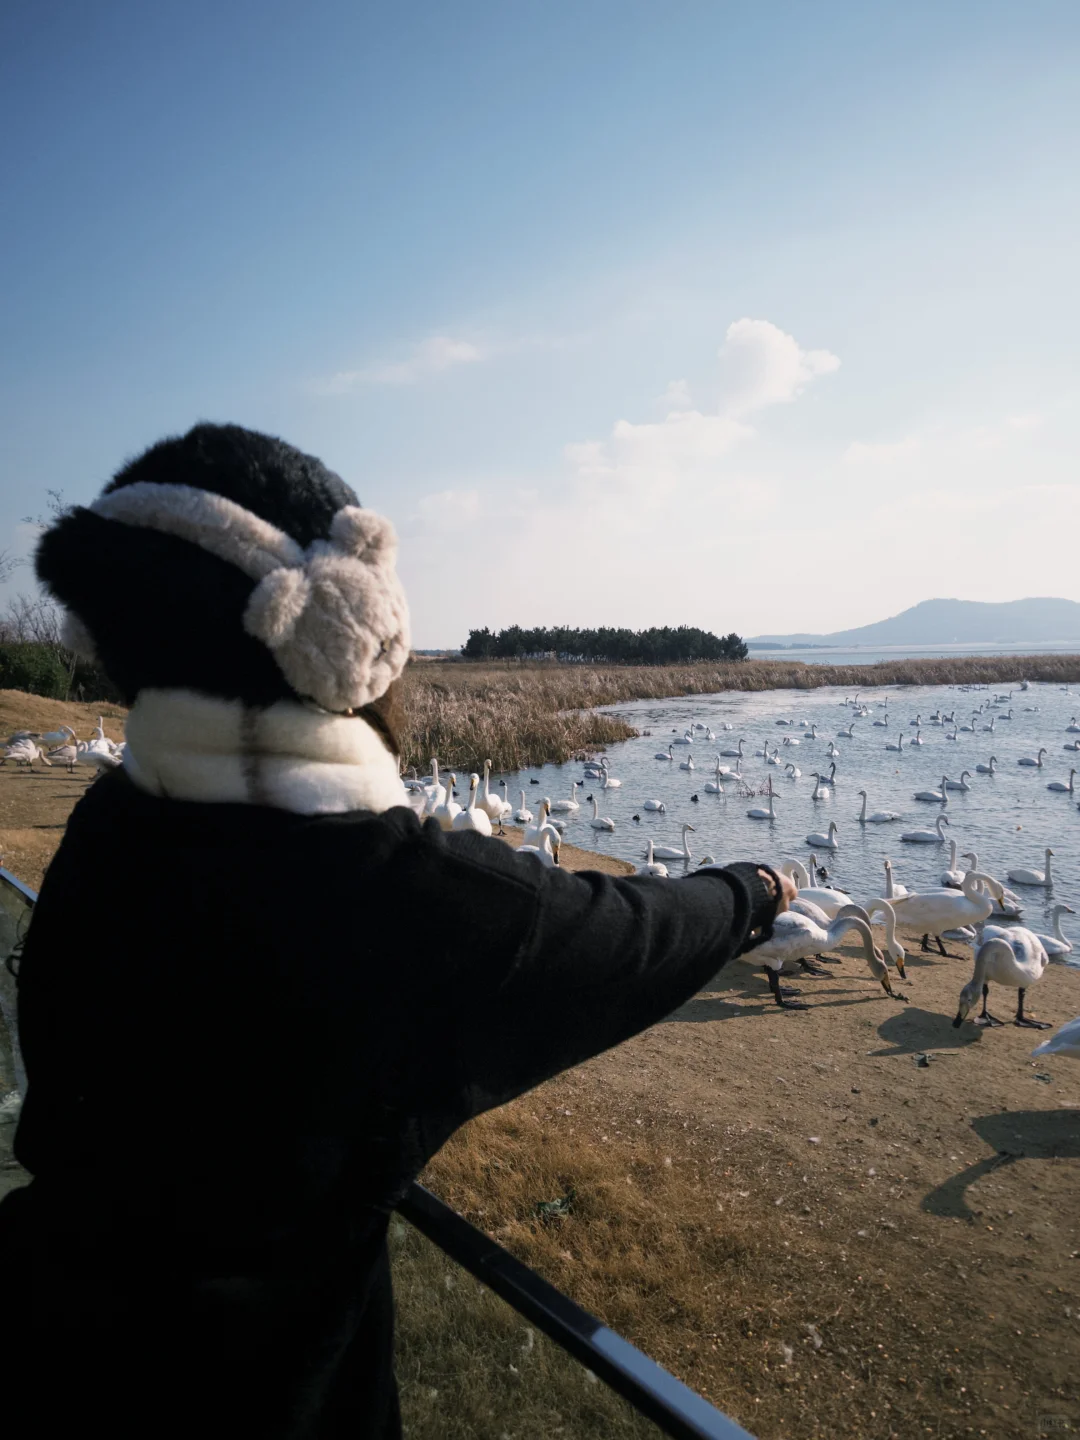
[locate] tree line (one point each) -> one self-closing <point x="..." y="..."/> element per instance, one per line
<point x="659" y="646"/>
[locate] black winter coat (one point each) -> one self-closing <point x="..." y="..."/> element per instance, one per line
<point x="246" y="1032"/>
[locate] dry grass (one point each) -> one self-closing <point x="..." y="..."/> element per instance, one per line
<point x="520" y="714"/>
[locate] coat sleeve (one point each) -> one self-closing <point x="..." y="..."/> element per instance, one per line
<point x="603" y="959"/>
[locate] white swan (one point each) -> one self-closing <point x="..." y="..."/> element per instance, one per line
<point x="686" y="739"/>
<point x="933" y="911"/>
<point x="827" y="899"/>
<point x="917" y="739"/>
<point x="937" y="797"/>
<point x="598" y="821"/>
<point x="989" y="729"/>
<point x="687" y="764"/>
<point x="607" y="782"/>
<point x="491" y="804"/>
<point x="951" y="876"/>
<point x="927" y="837"/>
<point x="1061" y="786"/>
<point x="532" y="832"/>
<point x="472" y="817"/>
<point x="1073" y="745"/>
<point x="893" y="889"/>
<point x="449" y="809"/>
<point x="899" y="746"/>
<point x="882" y="724"/>
<point x="848" y="734"/>
<point x="546" y="848"/>
<point x="1065" y="1042"/>
<point x="1013" y="958"/>
<point x="669" y="852"/>
<point x="657" y="805"/>
<point x="714" y="787"/>
<point x="879" y="817"/>
<point x="796" y="936"/>
<point x="435" y="792"/>
<point x="792" y="771"/>
<point x="652" y="866"/>
<point x="1029" y="760"/>
<point x="758" y="813"/>
<point x="829" y="841"/>
<point x="987" y="769"/>
<point x="960" y="784"/>
<point x="523" y="815"/>
<point x="563" y="807"/>
<point x="1071" y="729"/>
<point x="1056" y="943"/>
<point x="821" y="791"/>
<point x="661" y="756"/>
<point x="737" y="751"/>
<point x="1039" y="878"/>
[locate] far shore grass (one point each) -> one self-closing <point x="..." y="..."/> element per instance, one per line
<point x="521" y="713"/>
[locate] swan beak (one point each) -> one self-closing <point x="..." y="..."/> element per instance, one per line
<point x="900" y="967"/>
<point x="959" y="1020"/>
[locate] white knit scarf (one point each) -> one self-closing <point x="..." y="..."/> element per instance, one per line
<point x="185" y="746"/>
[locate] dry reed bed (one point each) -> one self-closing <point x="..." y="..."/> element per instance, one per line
<point x="529" y="713"/>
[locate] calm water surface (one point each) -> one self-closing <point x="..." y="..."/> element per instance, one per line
<point x="1009" y="819"/>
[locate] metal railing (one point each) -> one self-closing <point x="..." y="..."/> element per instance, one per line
<point x="648" y="1388"/>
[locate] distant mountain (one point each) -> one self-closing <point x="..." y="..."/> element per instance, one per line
<point x="957" y="622"/>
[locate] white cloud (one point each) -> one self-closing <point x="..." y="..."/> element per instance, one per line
<point x="445" y="510"/>
<point x="429" y="357"/>
<point x="761" y="365"/>
<point x="675" y="397"/>
<point x="883" y="453"/>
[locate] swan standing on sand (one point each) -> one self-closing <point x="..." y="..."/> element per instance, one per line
<point x="598" y="821"/>
<point x="1036" y="878"/>
<point x="1037" y="760"/>
<point x="1060" y="785"/>
<point x="795" y="936"/>
<point x="491" y="805"/>
<point x="1013" y="958"/>
<point x="758" y="813"/>
<point x="828" y="901"/>
<point x="1065" y="1042"/>
<point x="1056" y="943"/>
<point x="472" y="817"/>
<point x="447" y="812"/>
<point x="825" y="842"/>
<point x="927" y="837"/>
<point x="652" y="866"/>
<point x="879" y="817"/>
<point x="935" y="911"/>
<point x="669" y="852"/>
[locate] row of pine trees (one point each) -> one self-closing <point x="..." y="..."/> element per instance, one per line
<point x="659" y="646"/>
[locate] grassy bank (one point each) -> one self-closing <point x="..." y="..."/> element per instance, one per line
<point x="529" y="713"/>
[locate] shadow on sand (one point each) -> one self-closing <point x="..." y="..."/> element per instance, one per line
<point x="1013" y="1135"/>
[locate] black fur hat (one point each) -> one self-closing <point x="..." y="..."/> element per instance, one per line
<point x="227" y="562"/>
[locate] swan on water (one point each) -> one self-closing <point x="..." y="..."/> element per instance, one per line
<point x="792" y="771"/>
<point x="989" y="729"/>
<point x="1013" y="958"/>
<point x="1072" y="745"/>
<point x="563" y="806"/>
<point x="1065" y="1042"/>
<point x="1056" y="943"/>
<point x="987" y="769"/>
<point x="821" y="791"/>
<point x="795" y="936"/>
<point x="669" y="852"/>
<point x="714" y="786"/>
<point x="950" y="876"/>
<point x="916" y="722"/>
<point x="661" y="756"/>
<point x="927" y="837"/>
<point x="687" y="764"/>
<point x="598" y="821"/>
<point x="1029" y="760"/>
<point x="1061" y="786"/>
<point x="937" y="797"/>
<point x="608" y="782"/>
<point x="762" y="814"/>
<point x="435" y="791"/>
<point x="893" y="889"/>
<point x="657" y="805"/>
<point x="1036" y="878"/>
<point x="879" y="817"/>
<point x="523" y="816"/>
<point x="737" y="751"/>
<point x="916" y="739"/>
<point x="882" y="724"/>
<point x="472" y="817"/>
<point x="652" y="866"/>
<point x="686" y="739"/>
<point x="1071" y="729"/>
<point x="848" y="734"/>
<point x="825" y="842"/>
<point x="960" y="784"/>
<point x="448" y="811"/>
<point x="899" y="746"/>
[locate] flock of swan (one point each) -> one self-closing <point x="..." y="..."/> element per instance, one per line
<point x="62" y="747"/>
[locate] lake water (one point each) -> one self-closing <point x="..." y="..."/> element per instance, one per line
<point x="870" y="655"/>
<point x="1009" y="819"/>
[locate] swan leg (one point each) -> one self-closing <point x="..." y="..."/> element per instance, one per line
<point x="778" y="994"/>
<point x="810" y="968"/>
<point x="926" y="942"/>
<point x="828" y="959"/>
<point x="984" y="1018"/>
<point x="942" y="950"/>
<point x="1025" y="1020"/>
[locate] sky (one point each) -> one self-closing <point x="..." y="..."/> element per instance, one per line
<point x="757" y="316"/>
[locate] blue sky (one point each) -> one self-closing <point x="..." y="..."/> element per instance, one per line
<point x="753" y="316"/>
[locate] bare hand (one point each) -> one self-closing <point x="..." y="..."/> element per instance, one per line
<point x="788" y="889"/>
